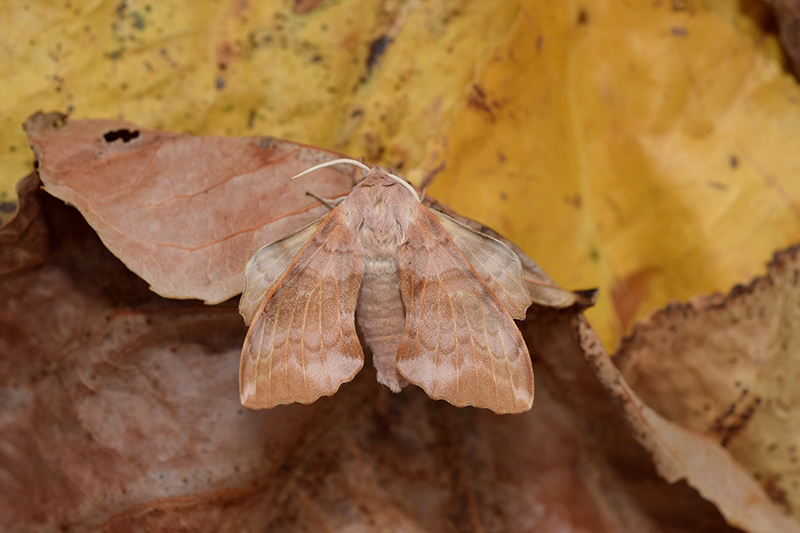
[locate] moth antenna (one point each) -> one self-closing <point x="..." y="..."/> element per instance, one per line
<point x="360" y="165"/>
<point x="353" y="162"/>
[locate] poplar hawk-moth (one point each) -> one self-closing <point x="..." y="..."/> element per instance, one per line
<point x="435" y="302"/>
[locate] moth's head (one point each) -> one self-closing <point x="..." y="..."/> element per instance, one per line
<point x="386" y="183"/>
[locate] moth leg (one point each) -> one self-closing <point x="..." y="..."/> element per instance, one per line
<point x="330" y="203"/>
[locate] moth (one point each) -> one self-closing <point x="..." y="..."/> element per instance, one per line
<point x="434" y="300"/>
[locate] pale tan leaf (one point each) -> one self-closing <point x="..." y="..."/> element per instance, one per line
<point x="727" y="366"/>
<point x="185" y="213"/>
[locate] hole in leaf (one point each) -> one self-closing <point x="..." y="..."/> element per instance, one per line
<point x="125" y="135"/>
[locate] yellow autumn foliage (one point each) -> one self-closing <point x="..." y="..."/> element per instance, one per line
<point x="645" y="149"/>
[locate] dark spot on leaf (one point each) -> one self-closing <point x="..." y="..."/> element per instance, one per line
<point x="220" y="82"/>
<point x="736" y="417"/>
<point x="717" y="185"/>
<point x="733" y="161"/>
<point x="679" y="31"/>
<point x="477" y="99"/>
<point x="301" y="7"/>
<point x="7" y="207"/>
<point x="583" y="17"/>
<point x="682" y="5"/>
<point x="125" y="135"/>
<point x="576" y="200"/>
<point x="138" y="22"/>
<point x="775" y="493"/>
<point x="376" y="50"/>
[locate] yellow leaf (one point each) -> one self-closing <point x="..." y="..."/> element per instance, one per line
<point x="648" y="149"/>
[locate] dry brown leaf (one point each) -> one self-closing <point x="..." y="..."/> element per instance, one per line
<point x="183" y="212"/>
<point x="23" y="239"/>
<point x="122" y="415"/>
<point x="727" y="367"/>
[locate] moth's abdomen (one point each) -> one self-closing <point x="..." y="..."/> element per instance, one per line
<point x="381" y="317"/>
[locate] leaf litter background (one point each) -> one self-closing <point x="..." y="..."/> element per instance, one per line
<point x="647" y="151"/>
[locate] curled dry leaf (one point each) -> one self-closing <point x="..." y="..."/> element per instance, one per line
<point x="122" y="415"/>
<point x="185" y="213"/>
<point x="727" y="367"/>
<point x="23" y="239"/>
<point x="680" y="454"/>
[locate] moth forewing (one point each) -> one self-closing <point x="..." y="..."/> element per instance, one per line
<point x="499" y="266"/>
<point x="302" y="343"/>
<point x="460" y="342"/>
<point x="267" y="265"/>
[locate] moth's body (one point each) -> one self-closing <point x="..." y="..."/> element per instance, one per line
<point x="434" y="301"/>
<point x="380" y="311"/>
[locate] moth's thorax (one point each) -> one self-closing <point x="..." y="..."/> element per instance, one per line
<point x="380" y="207"/>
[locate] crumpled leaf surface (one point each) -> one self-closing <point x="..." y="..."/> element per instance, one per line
<point x="726" y="366"/>
<point x="123" y="415"/>
<point x="23" y="239"/>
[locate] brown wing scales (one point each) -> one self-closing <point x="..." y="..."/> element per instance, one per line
<point x="267" y="266"/>
<point x="499" y="266"/>
<point x="302" y="343"/>
<point x="460" y="344"/>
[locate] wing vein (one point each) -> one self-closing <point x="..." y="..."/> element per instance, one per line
<point x="471" y="338"/>
<point x="419" y="302"/>
<point x="508" y="369"/>
<point x="322" y="350"/>
<point x="455" y="346"/>
<point x="438" y="330"/>
<point x="286" y="343"/>
<point x="491" y="355"/>
<point x="303" y="343"/>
